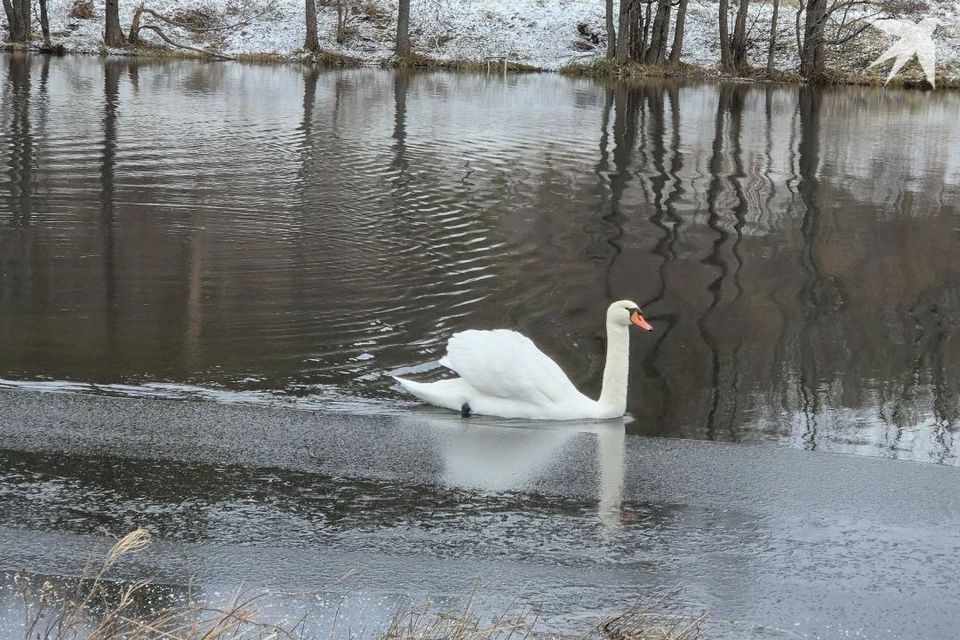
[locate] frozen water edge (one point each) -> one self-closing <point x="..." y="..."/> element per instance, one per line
<point x="540" y="33"/>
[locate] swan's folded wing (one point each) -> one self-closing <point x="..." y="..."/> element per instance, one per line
<point x="506" y="364"/>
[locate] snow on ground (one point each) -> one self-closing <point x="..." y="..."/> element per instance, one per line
<point x="541" y="33"/>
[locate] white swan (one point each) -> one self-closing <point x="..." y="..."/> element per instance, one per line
<point x="502" y="373"/>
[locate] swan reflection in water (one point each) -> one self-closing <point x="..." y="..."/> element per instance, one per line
<point x="586" y="458"/>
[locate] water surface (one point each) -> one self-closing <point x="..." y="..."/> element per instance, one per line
<point x="287" y="230"/>
<point x="240" y="257"/>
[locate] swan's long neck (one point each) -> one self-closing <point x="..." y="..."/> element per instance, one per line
<point x="613" y="395"/>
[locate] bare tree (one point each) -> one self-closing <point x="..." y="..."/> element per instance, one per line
<point x="773" y="36"/>
<point x="45" y="25"/>
<point x="611" y="32"/>
<point x="112" y="33"/>
<point x="726" y="57"/>
<point x="18" y="19"/>
<point x="403" y="29"/>
<point x="656" y="52"/>
<point x="733" y="51"/>
<point x="678" y="33"/>
<point x="627" y="27"/>
<point x="342" y="15"/>
<point x="812" y="50"/>
<point x="738" y="45"/>
<point x="311" y="42"/>
<point x="827" y="24"/>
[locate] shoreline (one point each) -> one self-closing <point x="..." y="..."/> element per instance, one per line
<point x="562" y="36"/>
<point x="599" y="69"/>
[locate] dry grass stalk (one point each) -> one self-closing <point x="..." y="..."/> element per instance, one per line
<point x="647" y="621"/>
<point x="459" y="622"/>
<point x="92" y="611"/>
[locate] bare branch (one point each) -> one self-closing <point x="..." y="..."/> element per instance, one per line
<point x="195" y="29"/>
<point x="205" y="52"/>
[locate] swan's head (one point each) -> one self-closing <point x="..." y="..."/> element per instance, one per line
<point x="625" y="313"/>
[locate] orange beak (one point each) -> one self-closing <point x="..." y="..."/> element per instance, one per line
<point x="638" y="320"/>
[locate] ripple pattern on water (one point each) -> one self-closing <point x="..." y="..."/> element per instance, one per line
<point x="213" y="225"/>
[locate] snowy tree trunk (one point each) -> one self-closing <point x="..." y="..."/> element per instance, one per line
<point x="738" y="47"/>
<point x="726" y="59"/>
<point x="658" y="35"/>
<point x="639" y="49"/>
<point x="611" y="32"/>
<point x="44" y="24"/>
<point x="812" y="54"/>
<point x="310" y="42"/>
<point x="629" y="24"/>
<point x="112" y="33"/>
<point x="677" y="48"/>
<point x="773" y="36"/>
<point x="403" y="29"/>
<point x="18" y="19"/>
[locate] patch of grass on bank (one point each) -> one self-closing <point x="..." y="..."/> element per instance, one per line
<point x="419" y="61"/>
<point x="875" y="77"/>
<point x="260" y="58"/>
<point x="97" y="609"/>
<point x="327" y="58"/>
<point x="605" y="68"/>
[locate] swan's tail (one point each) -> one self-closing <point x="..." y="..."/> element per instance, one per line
<point x="450" y="394"/>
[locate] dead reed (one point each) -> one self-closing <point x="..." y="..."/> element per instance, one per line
<point x="97" y="609"/>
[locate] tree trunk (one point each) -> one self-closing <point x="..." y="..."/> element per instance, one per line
<point x="726" y="58"/>
<point x="657" y="52"/>
<point x="45" y="25"/>
<point x="738" y="47"/>
<point x="773" y="36"/>
<point x="133" y="37"/>
<point x="639" y="50"/>
<point x="18" y="19"/>
<point x="629" y="12"/>
<point x="341" y="21"/>
<point x="677" y="48"/>
<point x="611" y="32"/>
<point x="112" y="33"/>
<point x="812" y="56"/>
<point x="403" y="29"/>
<point x="310" y="42"/>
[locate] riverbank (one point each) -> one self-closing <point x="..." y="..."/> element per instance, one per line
<point x="526" y="35"/>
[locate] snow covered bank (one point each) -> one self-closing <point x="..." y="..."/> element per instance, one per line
<point x="542" y="33"/>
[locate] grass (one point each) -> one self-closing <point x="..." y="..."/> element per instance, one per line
<point x="647" y="621"/>
<point x="420" y="61"/>
<point x="604" y="68"/>
<point x="94" y="608"/>
<point x="910" y="78"/>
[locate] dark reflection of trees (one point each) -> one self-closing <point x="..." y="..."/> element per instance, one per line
<point x="780" y="344"/>
<point x="624" y="101"/>
<point x="666" y="189"/>
<point x="602" y="172"/>
<point x="18" y="150"/>
<point x="811" y="288"/>
<point x="400" y="164"/>
<point x="111" y="91"/>
<point x="606" y="227"/>
<point x="724" y="365"/>
<point x="20" y="163"/>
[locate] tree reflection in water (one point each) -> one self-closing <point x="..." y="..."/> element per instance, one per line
<point x="796" y="248"/>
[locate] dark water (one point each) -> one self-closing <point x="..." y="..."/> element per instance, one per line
<point x="304" y="234"/>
